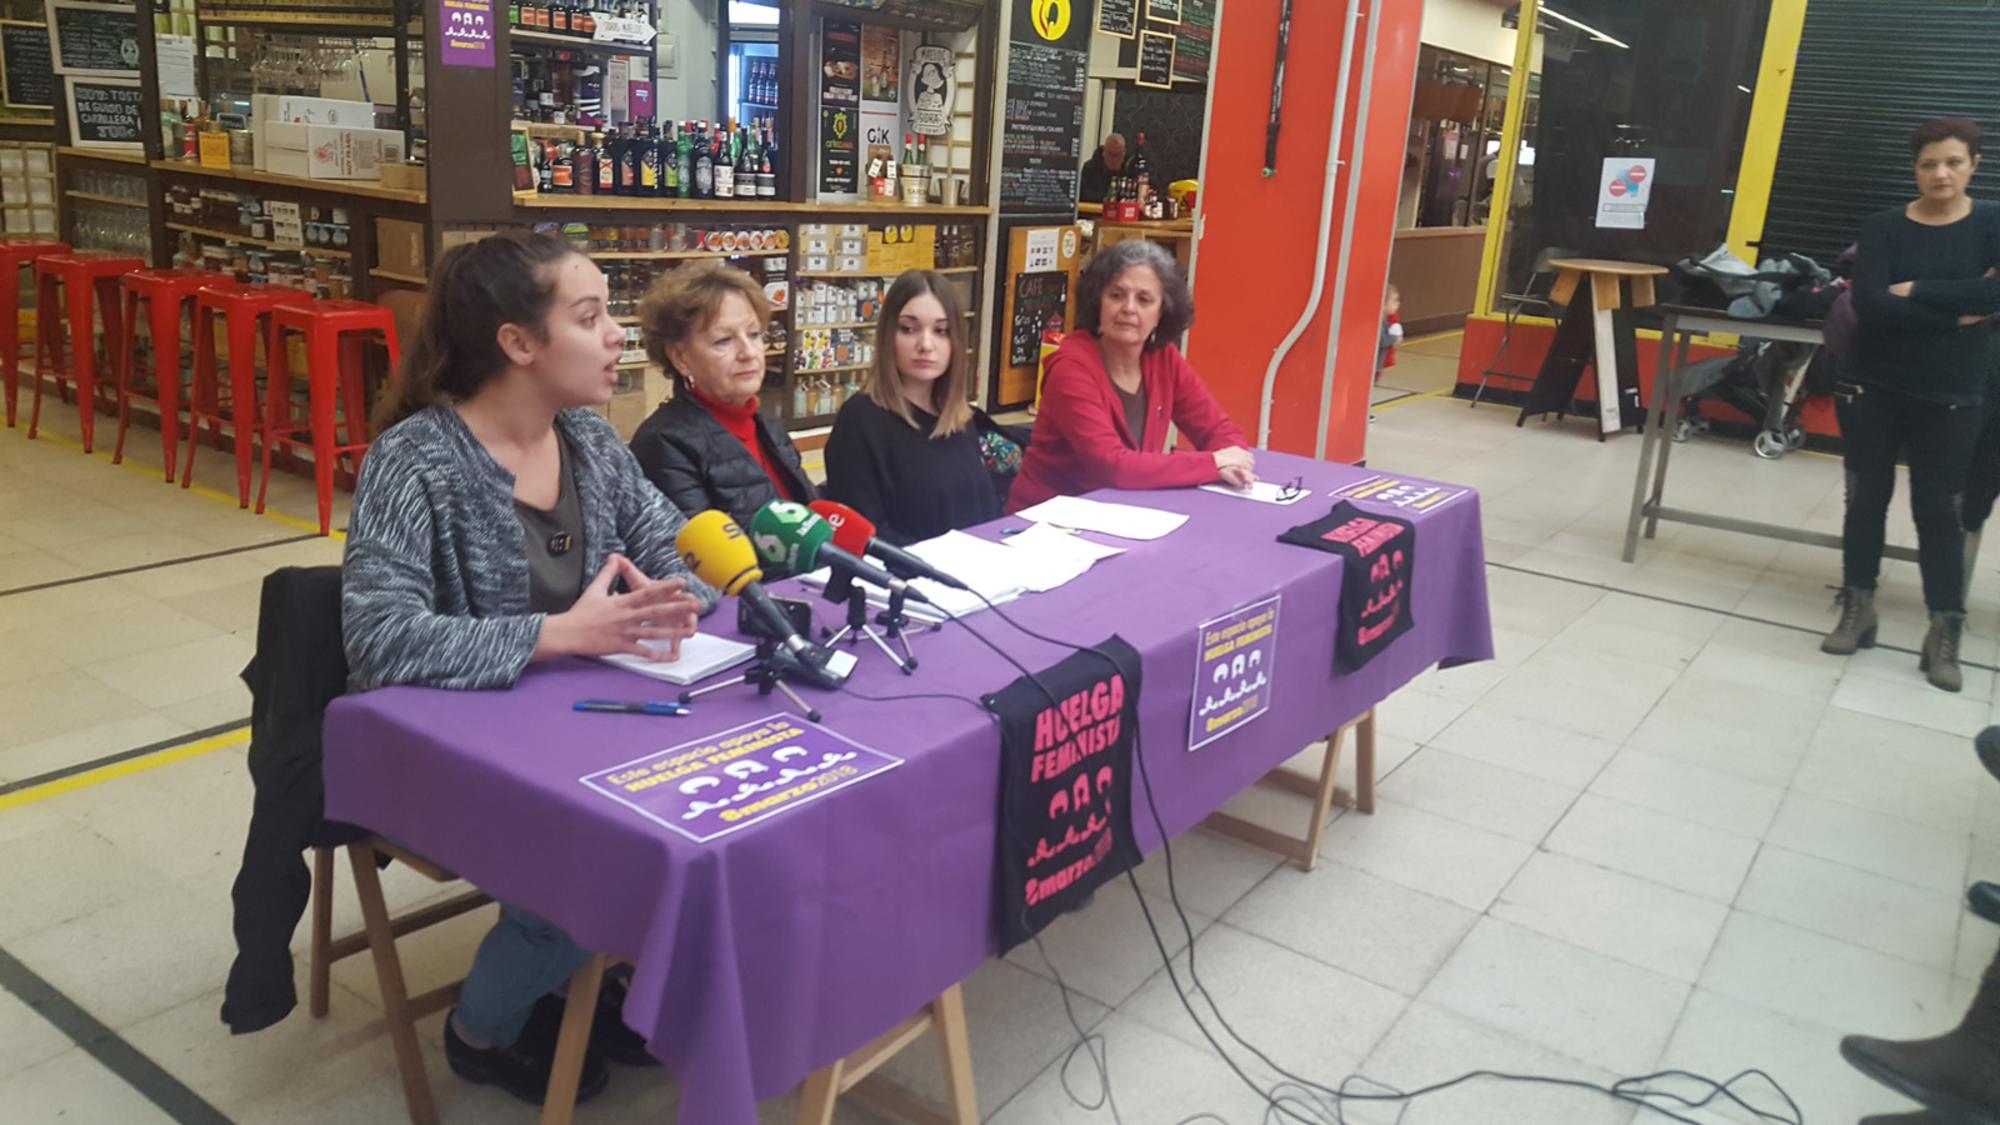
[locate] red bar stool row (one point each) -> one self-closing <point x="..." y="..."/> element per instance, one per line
<point x="75" y="291"/>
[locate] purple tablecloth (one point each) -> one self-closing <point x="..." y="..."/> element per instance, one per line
<point x="778" y="949"/>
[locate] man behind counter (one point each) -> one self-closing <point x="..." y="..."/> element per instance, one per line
<point x="1106" y="162"/>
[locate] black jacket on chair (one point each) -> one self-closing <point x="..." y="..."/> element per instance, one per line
<point x="699" y="465"/>
<point x="299" y="669"/>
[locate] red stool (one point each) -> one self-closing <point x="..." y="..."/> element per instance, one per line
<point x="168" y="296"/>
<point x="335" y="332"/>
<point x="15" y="254"/>
<point x="245" y="310"/>
<point x="89" y="282"/>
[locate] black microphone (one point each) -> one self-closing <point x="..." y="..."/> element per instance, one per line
<point x="853" y="532"/>
<point x="792" y="535"/>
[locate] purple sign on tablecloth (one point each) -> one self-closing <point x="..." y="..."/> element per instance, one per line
<point x="713" y="786"/>
<point x="1236" y="663"/>
<point x="1406" y="493"/>
<point x="468" y="32"/>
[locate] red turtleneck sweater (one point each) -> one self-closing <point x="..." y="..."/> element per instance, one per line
<point x="741" y="421"/>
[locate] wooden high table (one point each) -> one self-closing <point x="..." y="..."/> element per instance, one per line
<point x="1175" y="234"/>
<point x="1599" y="331"/>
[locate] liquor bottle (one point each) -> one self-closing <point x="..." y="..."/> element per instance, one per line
<point x="747" y="164"/>
<point x="670" y="164"/>
<point x="1142" y="174"/>
<point x="586" y="163"/>
<point x="563" y="171"/>
<point x="559" y="17"/>
<point x="725" y="165"/>
<point x="909" y="153"/>
<point x="628" y="166"/>
<point x="684" y="160"/>
<point x="649" y="161"/>
<point x="607" y="161"/>
<point x="767" y="177"/>
<point x="514" y="13"/>
<point x="583" y="21"/>
<point x="704" y="165"/>
<point x="545" y="181"/>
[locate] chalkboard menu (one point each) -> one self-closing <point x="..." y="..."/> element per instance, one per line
<point x="105" y="112"/>
<point x="1118" y="17"/>
<point x="30" y="77"/>
<point x="1163" y="11"/>
<point x="1156" y="59"/>
<point x="1040" y="151"/>
<point x="96" y="40"/>
<point x="1040" y="303"/>
<point x="1196" y="45"/>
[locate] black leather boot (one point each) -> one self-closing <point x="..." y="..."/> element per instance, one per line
<point x="1984" y="899"/>
<point x="1987" y="742"/>
<point x="1956" y="1075"/>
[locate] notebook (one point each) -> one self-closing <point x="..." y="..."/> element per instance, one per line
<point x="702" y="655"/>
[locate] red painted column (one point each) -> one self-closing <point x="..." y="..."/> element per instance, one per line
<point x="1255" y="266"/>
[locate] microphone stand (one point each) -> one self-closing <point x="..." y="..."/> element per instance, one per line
<point x="843" y="588"/>
<point x="767" y="673"/>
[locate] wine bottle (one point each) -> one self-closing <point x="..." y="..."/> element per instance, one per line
<point x="607" y="161"/>
<point x="725" y="164"/>
<point x="767" y="177"/>
<point x="628" y="166"/>
<point x="670" y="167"/>
<point x="684" y="160"/>
<point x="704" y="166"/>
<point x="747" y="164"/>
<point x="1142" y="173"/>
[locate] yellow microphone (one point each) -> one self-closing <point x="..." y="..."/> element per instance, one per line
<point x="718" y="552"/>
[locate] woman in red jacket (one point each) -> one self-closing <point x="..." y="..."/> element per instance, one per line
<point x="1118" y="381"/>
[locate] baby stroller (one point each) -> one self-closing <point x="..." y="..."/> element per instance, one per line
<point x="1765" y="380"/>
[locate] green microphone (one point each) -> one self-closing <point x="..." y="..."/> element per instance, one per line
<point x="795" y="537"/>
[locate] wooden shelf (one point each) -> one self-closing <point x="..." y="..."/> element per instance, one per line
<point x="392" y="275"/>
<point x="576" y="42"/>
<point x="767" y="206"/>
<point x="111" y="200"/>
<point x="775" y="351"/>
<point x="264" y="243"/>
<point x="116" y="156"/>
<point x="541" y="129"/>
<point x="842" y="324"/>
<point x="358" y="188"/>
<point x="675" y="255"/>
<point x="864" y="276"/>
<point x="307" y="23"/>
<point x="833" y="370"/>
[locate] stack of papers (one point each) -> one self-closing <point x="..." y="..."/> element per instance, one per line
<point x="702" y="655"/>
<point x="1126" y="521"/>
<point x="1045" y="556"/>
<point x="986" y="567"/>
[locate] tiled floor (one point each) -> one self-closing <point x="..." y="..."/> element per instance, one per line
<point x="1660" y="830"/>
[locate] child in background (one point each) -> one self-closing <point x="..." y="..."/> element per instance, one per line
<point x="1392" y="331"/>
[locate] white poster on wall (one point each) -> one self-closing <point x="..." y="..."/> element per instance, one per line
<point x="1623" y="192"/>
<point x="932" y="84"/>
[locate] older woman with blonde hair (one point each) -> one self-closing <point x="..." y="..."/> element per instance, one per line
<point x="710" y="446"/>
<point x="911" y="453"/>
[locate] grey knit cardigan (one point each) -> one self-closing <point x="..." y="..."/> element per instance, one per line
<point x="435" y="578"/>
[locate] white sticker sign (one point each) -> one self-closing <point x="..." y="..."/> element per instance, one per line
<point x="1623" y="192"/>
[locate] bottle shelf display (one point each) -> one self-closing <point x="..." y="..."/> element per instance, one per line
<point x="691" y="160"/>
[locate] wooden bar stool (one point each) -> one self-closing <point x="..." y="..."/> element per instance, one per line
<point x="16" y="254"/>
<point x="168" y="296"/>
<point x="336" y="333"/>
<point x="1326" y="796"/>
<point x="88" y="282"/>
<point x="246" y="311"/>
<point x="378" y="936"/>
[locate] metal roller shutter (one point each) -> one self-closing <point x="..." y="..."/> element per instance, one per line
<point x="1869" y="71"/>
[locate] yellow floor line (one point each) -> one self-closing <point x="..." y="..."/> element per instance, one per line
<point x="1433" y="338"/>
<point x="127" y="768"/>
<point x="202" y="491"/>
<point x="1439" y="393"/>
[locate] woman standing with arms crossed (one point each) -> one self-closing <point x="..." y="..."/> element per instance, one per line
<point x="498" y="522"/>
<point x="1924" y="281"/>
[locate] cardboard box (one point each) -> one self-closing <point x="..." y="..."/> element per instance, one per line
<point x="816" y="244"/>
<point x="399" y="247"/>
<point x="851" y="263"/>
<point x="280" y="109"/>
<point x="816" y="263"/>
<point x="328" y="152"/>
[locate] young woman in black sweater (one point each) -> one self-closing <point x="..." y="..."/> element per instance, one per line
<point x="907" y="452"/>
<point x="1924" y="284"/>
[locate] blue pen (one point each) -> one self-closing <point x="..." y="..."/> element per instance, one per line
<point x="614" y="707"/>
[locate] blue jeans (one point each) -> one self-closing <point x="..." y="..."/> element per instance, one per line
<point x="522" y="959"/>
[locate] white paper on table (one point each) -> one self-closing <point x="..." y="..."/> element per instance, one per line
<point x="702" y="655"/>
<point x="1049" y="557"/>
<point x="1264" y="492"/>
<point x="1126" y="521"/>
<point x="973" y="562"/>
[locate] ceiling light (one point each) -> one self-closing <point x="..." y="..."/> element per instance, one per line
<point x="1585" y="28"/>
